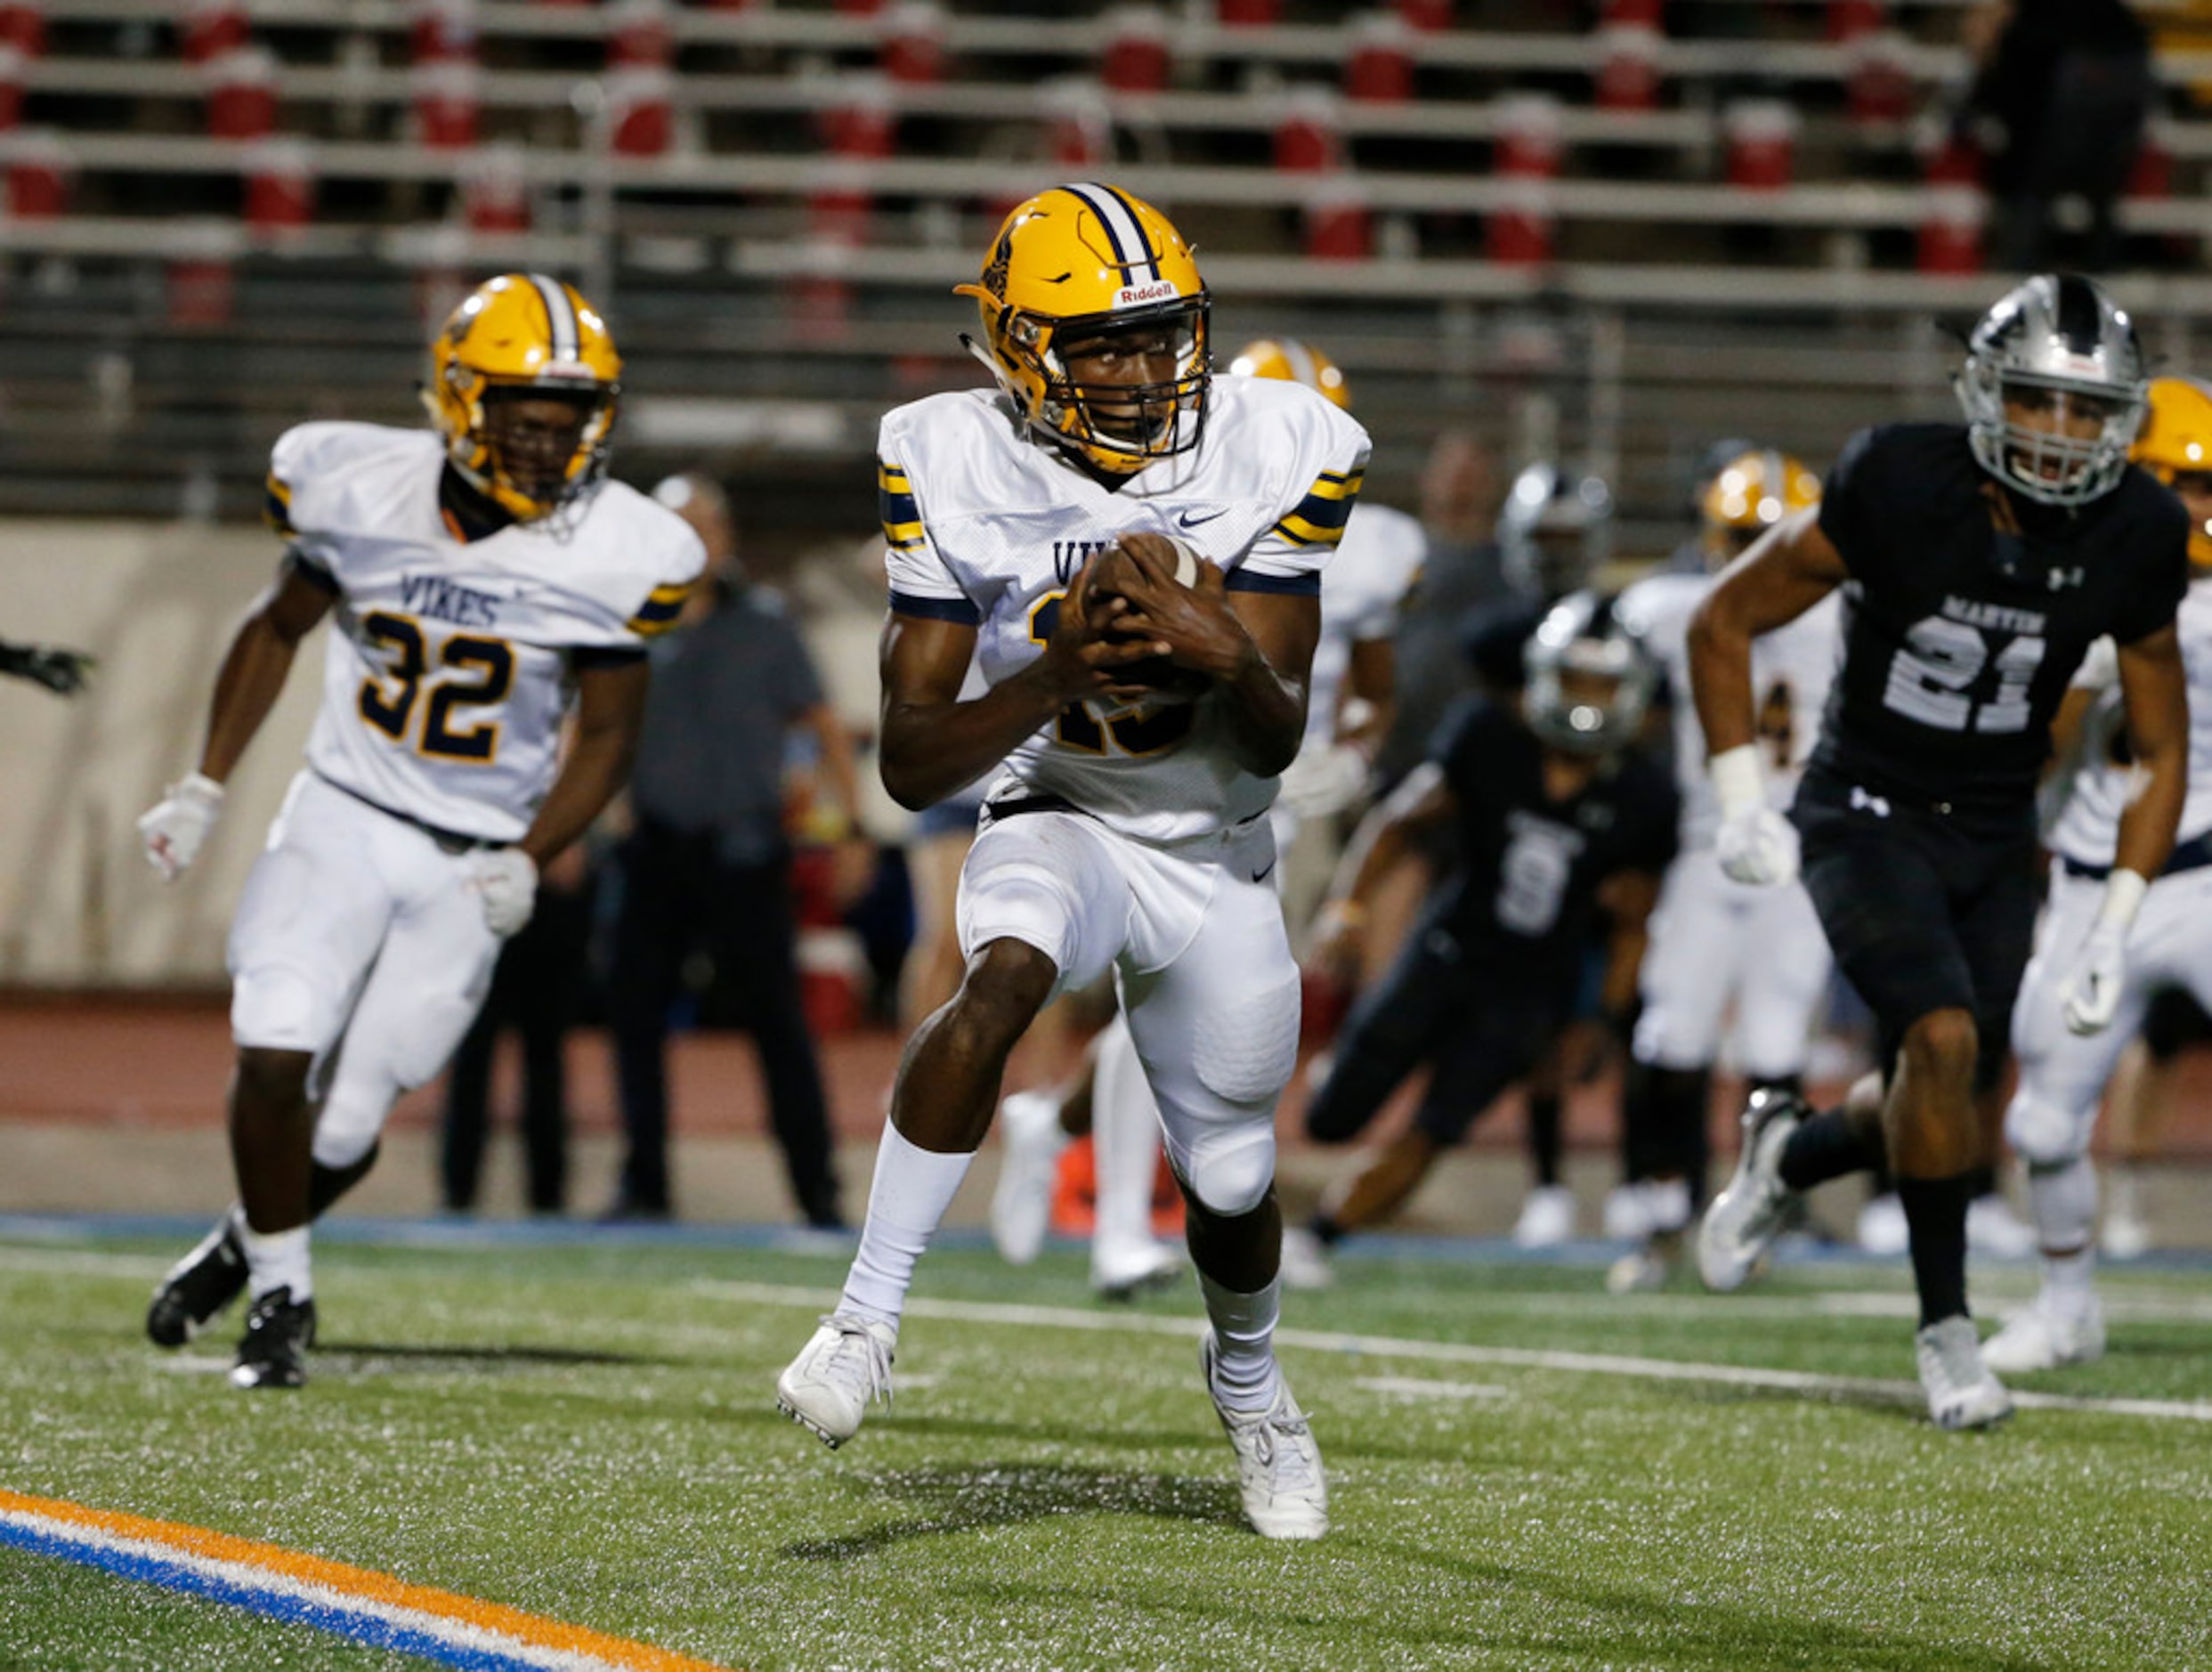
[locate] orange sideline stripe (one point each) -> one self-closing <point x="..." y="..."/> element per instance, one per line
<point x="361" y="1582"/>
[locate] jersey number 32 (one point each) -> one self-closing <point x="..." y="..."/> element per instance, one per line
<point x="472" y="672"/>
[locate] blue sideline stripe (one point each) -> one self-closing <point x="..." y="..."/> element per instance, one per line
<point x="341" y="1621"/>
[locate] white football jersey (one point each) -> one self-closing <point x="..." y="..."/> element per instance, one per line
<point x="1792" y="668"/>
<point x="1373" y="570"/>
<point x="2087" y="828"/>
<point x="447" y="673"/>
<point x="986" y="526"/>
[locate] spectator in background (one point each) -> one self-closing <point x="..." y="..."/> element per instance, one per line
<point x="707" y="864"/>
<point x="2061" y="93"/>
<point x="537" y="989"/>
<point x="1459" y="505"/>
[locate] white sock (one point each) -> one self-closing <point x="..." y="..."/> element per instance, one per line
<point x="1245" y="1375"/>
<point x="913" y="1187"/>
<point x="2063" y="1202"/>
<point x="278" y="1260"/>
<point x="1125" y="1146"/>
<point x="2069" y="1282"/>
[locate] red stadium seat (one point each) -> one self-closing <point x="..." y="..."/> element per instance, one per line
<point x="1381" y="67"/>
<point x="1308" y="135"/>
<point x="23" y="26"/>
<point x="1761" y="143"/>
<point x="241" y="94"/>
<point x="40" y="175"/>
<point x="913" y="42"/>
<point x="1134" y="56"/>
<point x="208" y="28"/>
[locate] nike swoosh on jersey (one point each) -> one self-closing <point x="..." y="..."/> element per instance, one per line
<point x="1188" y="521"/>
<point x="1264" y="871"/>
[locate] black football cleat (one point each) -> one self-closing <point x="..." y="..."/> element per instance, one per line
<point x="200" y="1286"/>
<point x="273" y="1351"/>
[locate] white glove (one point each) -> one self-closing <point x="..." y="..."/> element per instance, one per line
<point x="1323" y="781"/>
<point x="1754" y="844"/>
<point x="2090" y="992"/>
<point x="507" y="879"/>
<point x="176" y="825"/>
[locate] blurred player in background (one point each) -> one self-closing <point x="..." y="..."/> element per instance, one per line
<point x="1982" y="563"/>
<point x="1555" y="533"/>
<point x="484" y="578"/>
<point x="2062" y="1072"/>
<point x="1722" y="952"/>
<point x="1555" y="817"/>
<point x="1349" y="706"/>
<point x="1128" y="830"/>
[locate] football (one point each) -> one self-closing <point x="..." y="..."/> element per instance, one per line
<point x="1111" y="572"/>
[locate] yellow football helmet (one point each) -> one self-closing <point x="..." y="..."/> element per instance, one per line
<point x="1293" y="361"/>
<point x="1070" y="265"/>
<point x="1748" y="496"/>
<point x="2176" y="441"/>
<point x="524" y="334"/>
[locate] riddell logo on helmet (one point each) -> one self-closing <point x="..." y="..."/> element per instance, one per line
<point x="1134" y="296"/>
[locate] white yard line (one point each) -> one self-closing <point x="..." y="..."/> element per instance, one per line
<point x="1865" y="1388"/>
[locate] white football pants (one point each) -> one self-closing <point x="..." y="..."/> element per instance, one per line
<point x="357" y="942"/>
<point x="1193" y="933"/>
<point x="1717" y="944"/>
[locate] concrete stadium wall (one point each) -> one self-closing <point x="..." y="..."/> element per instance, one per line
<point x="156" y="603"/>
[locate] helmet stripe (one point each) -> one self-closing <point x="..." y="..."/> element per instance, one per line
<point x="560" y="316"/>
<point x="2080" y="321"/>
<point x="1301" y="359"/>
<point x="1132" y="252"/>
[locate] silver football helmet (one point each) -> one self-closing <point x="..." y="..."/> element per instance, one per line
<point x="1554" y="532"/>
<point x="1591" y="677"/>
<point x="2058" y="347"/>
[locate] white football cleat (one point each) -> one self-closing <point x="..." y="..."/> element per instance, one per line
<point x="1627" y="1213"/>
<point x="1305" y="1260"/>
<point x="844" y="1364"/>
<point x="1278" y="1466"/>
<point x="2040" y="1337"/>
<point x="1962" y="1393"/>
<point x="1547" y="1217"/>
<point x="1745" y="1218"/>
<point x="1030" y="1140"/>
<point x="1993" y="1228"/>
<point x="2125" y="1236"/>
<point x="1125" y="1276"/>
<point x="1882" y="1228"/>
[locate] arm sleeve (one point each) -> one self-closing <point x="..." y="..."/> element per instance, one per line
<point x="921" y="582"/>
<point x="1459" y="743"/>
<point x="1847" y="499"/>
<point x="2168" y="579"/>
<point x="1332" y="465"/>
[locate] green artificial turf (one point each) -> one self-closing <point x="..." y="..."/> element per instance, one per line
<point x="588" y="1433"/>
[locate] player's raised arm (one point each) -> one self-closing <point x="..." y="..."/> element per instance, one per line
<point x="251" y="679"/>
<point x="1778" y="580"/>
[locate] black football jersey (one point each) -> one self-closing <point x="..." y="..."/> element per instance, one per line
<point x="1960" y="639"/>
<point x="1529" y="867"/>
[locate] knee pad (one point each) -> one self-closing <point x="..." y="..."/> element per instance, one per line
<point x="2044" y="1134"/>
<point x="280" y="1008"/>
<point x="1229" y="1169"/>
<point x="1243" y="1051"/>
<point x="2063" y="1201"/>
<point x="350" y="1122"/>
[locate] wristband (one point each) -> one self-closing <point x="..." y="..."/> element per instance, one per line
<point x="1737" y="780"/>
<point x="2123" y="898"/>
<point x="199" y="787"/>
